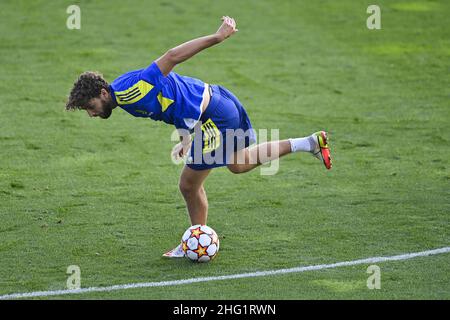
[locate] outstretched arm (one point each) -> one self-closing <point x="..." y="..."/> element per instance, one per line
<point x="188" y="49"/>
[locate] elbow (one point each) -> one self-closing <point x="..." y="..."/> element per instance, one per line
<point x="172" y="56"/>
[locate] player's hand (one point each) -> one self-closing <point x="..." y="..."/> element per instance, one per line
<point x="180" y="150"/>
<point x="227" y="28"/>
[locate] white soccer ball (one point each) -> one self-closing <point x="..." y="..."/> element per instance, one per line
<point x="200" y="243"/>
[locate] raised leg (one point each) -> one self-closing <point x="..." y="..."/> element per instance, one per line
<point x="249" y="158"/>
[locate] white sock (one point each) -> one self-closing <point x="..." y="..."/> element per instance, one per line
<point x="305" y="144"/>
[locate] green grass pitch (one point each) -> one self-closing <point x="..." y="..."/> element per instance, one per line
<point x="103" y="195"/>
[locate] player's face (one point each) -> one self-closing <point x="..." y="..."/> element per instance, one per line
<point x="101" y="106"/>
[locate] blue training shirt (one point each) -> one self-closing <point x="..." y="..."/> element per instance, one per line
<point x="174" y="99"/>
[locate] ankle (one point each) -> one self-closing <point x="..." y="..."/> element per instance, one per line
<point x="305" y="144"/>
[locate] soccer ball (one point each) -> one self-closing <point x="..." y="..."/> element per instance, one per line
<point x="200" y="243"/>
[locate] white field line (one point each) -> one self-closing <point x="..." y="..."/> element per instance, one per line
<point x="372" y="260"/>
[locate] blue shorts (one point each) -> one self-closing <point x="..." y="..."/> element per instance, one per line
<point x="223" y="129"/>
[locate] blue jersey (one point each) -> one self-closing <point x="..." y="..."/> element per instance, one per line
<point x="174" y="99"/>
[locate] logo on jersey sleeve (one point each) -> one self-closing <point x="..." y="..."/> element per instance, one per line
<point x="134" y="93"/>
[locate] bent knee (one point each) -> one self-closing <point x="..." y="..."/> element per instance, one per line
<point x="187" y="187"/>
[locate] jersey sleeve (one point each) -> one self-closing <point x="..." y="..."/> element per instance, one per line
<point x="153" y="75"/>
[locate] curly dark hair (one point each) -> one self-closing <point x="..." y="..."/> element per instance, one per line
<point x="87" y="86"/>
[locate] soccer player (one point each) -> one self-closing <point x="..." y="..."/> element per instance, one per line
<point x="192" y="106"/>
